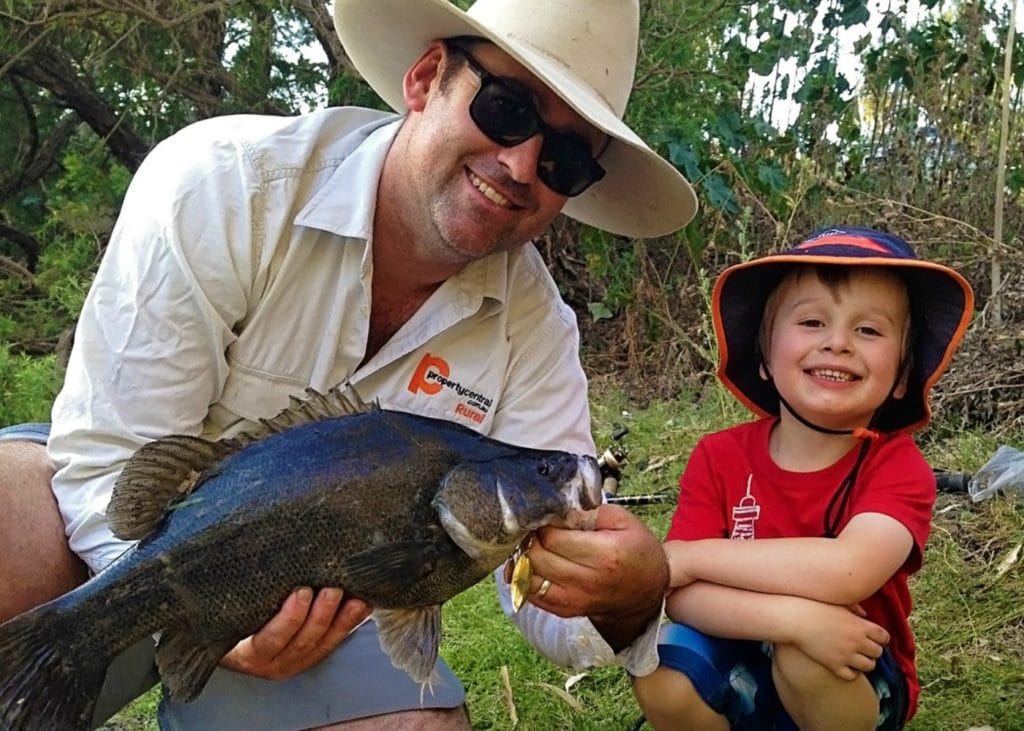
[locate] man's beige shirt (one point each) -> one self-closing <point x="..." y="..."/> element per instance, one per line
<point x="239" y="273"/>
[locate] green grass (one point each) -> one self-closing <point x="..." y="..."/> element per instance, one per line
<point x="969" y="621"/>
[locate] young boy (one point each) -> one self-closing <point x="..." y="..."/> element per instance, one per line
<point x="835" y="344"/>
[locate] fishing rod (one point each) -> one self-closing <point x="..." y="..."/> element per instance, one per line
<point x="615" y="456"/>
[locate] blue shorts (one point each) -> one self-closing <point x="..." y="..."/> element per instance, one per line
<point x="734" y="678"/>
<point x="35" y="433"/>
<point x="355" y="681"/>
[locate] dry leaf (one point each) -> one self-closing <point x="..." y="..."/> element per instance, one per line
<point x="506" y="695"/>
<point x="571" y="681"/>
<point x="660" y="462"/>
<point x="1007" y="563"/>
<point x="564" y="695"/>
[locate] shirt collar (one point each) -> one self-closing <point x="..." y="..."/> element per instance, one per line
<point x="344" y="205"/>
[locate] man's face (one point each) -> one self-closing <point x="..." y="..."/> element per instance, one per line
<point x="480" y="197"/>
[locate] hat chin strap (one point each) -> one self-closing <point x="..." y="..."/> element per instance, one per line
<point x="841" y="498"/>
<point x="810" y="424"/>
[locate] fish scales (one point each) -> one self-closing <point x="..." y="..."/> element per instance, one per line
<point x="401" y="510"/>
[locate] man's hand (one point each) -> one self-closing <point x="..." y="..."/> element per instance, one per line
<point x="299" y="636"/>
<point x="615" y="574"/>
<point x="840" y="638"/>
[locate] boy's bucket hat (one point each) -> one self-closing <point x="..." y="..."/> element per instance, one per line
<point x="941" y="303"/>
<point x="583" y="50"/>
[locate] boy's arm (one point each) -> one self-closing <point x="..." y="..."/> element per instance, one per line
<point x="842" y="570"/>
<point x="836" y="637"/>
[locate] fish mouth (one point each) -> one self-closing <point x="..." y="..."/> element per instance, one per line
<point x="583" y="495"/>
<point x="587" y="485"/>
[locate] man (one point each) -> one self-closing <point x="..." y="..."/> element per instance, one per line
<point x="257" y="256"/>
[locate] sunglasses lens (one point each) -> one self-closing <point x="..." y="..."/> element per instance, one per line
<point x="508" y="118"/>
<point x="503" y="115"/>
<point x="566" y="165"/>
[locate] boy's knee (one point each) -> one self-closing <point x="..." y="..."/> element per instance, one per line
<point x="797" y="670"/>
<point x="669" y="700"/>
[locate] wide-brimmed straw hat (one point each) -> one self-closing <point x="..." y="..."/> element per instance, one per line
<point x="583" y="50"/>
<point x="941" y="303"/>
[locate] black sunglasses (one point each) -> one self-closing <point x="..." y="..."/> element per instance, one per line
<point x="508" y="116"/>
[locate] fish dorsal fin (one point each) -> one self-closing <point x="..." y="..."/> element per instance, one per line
<point x="185" y="664"/>
<point x="163" y="473"/>
<point x="158" y="476"/>
<point x="342" y="400"/>
<point x="410" y="637"/>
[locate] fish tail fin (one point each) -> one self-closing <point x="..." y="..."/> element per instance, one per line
<point x="41" y="686"/>
<point x="410" y="637"/>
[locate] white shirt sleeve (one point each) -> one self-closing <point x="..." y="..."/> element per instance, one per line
<point x="575" y="642"/>
<point x="545" y="405"/>
<point x="136" y="374"/>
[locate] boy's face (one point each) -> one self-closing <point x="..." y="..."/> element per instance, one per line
<point x="835" y="353"/>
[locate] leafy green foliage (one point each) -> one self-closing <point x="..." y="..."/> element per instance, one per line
<point x="27" y="387"/>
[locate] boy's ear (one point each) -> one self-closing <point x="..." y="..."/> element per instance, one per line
<point x="762" y="371"/>
<point x="900" y="389"/>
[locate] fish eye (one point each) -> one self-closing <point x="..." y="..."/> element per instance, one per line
<point x="543" y="469"/>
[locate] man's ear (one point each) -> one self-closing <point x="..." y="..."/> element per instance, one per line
<point x="419" y="79"/>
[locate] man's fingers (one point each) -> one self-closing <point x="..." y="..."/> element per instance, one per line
<point x="271" y="639"/>
<point x="304" y="649"/>
<point x="352" y="613"/>
<point x="301" y="634"/>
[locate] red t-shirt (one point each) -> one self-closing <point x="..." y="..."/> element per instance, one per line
<point x="731" y="488"/>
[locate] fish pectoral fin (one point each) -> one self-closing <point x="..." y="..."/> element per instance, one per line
<point x="158" y="476"/>
<point x="186" y="663"/>
<point x="410" y="637"/>
<point x="379" y="568"/>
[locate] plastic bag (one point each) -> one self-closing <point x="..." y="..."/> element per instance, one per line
<point x="1003" y="472"/>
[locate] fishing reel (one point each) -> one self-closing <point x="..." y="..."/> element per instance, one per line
<point x="611" y="462"/>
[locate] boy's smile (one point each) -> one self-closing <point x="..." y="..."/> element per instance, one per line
<point x="835" y="352"/>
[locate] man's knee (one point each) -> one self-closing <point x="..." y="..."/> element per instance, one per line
<point x="24" y="463"/>
<point x="35" y="560"/>
<point x="430" y="719"/>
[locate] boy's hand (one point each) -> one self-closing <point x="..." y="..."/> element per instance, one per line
<point x="840" y="638"/>
<point x="679" y="572"/>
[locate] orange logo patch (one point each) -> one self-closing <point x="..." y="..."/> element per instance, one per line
<point x="419" y="380"/>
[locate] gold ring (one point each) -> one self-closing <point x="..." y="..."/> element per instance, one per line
<point x="544" y="586"/>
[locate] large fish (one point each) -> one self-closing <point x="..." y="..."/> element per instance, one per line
<point x="401" y="510"/>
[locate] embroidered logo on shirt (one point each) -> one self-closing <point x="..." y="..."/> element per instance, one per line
<point x="433" y="374"/>
<point x="745" y="515"/>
